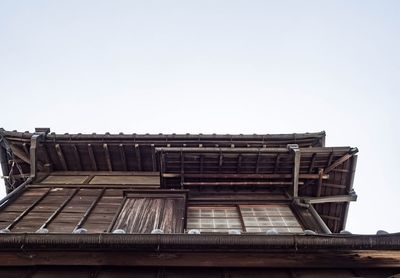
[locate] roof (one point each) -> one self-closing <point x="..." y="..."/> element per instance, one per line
<point x="193" y="161"/>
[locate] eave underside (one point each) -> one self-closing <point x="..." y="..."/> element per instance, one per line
<point x="206" y="162"/>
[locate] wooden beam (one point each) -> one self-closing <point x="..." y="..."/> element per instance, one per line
<point x="92" y="157"/>
<point x="244" y="176"/>
<point x="76" y="157"/>
<point x="61" y="157"/>
<point x="247" y="259"/>
<point x="26" y="148"/>
<point x="20" y="154"/>
<point x="122" y="156"/>
<point x="340" y="161"/>
<point x="240" y="183"/>
<point x="108" y="158"/>
<point x="224" y="150"/>
<point x="330" y="199"/>
<point x="319" y="186"/>
<point x="330" y="158"/>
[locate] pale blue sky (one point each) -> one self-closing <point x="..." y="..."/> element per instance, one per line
<point x="215" y="66"/>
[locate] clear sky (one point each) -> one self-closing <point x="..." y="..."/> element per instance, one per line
<point x="215" y="67"/>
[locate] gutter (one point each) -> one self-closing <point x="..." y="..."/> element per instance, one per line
<point x="186" y="242"/>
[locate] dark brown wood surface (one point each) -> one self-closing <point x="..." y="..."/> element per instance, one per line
<point x="142" y="215"/>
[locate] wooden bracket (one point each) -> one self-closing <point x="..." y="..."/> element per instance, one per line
<point x="331" y="199"/>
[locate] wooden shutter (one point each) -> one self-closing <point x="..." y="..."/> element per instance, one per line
<point x="143" y="213"/>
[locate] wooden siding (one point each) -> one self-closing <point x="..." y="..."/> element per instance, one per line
<point x="142" y="215"/>
<point x="62" y="208"/>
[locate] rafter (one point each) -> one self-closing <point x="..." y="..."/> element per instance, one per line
<point x="138" y="157"/>
<point x="61" y="157"/>
<point x="153" y="158"/>
<point x="276" y="167"/>
<point x="122" y="156"/>
<point x="92" y="157"/>
<point x="341" y="160"/>
<point x="77" y="157"/>
<point x="108" y="158"/>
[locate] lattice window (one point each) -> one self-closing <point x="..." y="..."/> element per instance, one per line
<point x="214" y="219"/>
<point x="247" y="218"/>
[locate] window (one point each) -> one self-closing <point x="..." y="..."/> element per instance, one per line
<point x="247" y="218"/>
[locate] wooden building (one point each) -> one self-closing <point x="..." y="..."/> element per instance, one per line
<point x="182" y="206"/>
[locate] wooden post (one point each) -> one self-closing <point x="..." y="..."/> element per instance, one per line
<point x="296" y="169"/>
<point x="33" y="153"/>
